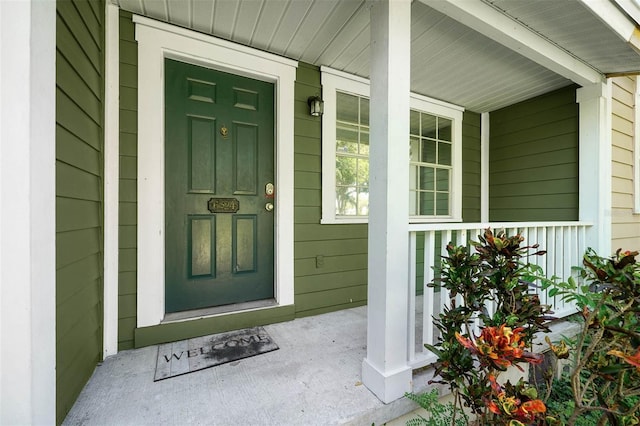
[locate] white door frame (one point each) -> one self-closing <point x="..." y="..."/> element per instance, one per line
<point x="157" y="41"/>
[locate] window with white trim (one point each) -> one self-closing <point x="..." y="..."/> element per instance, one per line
<point x="434" y="160"/>
<point x="352" y="155"/>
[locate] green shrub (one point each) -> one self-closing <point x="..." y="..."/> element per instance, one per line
<point x="440" y="414"/>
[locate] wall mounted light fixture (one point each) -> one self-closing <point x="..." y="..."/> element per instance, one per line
<point x="316" y="106"/>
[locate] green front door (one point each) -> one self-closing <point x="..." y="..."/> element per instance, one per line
<point x="219" y="174"/>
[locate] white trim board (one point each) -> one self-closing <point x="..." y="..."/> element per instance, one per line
<point x="111" y="179"/>
<point x="157" y="41"/>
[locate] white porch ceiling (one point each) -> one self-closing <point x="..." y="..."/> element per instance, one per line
<point x="450" y="61"/>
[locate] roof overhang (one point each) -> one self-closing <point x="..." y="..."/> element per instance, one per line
<point x="504" y="29"/>
<point x="480" y="54"/>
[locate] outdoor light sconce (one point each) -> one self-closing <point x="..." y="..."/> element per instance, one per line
<point x="316" y="106"/>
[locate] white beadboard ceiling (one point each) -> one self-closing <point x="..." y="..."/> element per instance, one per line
<point x="449" y="61"/>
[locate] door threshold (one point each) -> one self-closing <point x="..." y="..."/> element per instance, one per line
<point x="218" y="310"/>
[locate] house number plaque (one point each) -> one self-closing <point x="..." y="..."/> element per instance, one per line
<point x="223" y="205"/>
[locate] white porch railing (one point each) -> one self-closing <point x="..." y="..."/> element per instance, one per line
<point x="563" y="241"/>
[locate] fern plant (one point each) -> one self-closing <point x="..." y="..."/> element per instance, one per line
<point x="441" y="414"/>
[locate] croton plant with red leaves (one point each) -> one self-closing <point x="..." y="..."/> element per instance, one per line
<point x="605" y="375"/>
<point x="470" y="361"/>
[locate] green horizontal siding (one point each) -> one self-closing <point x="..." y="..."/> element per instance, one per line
<point x="336" y="282"/>
<point x="340" y="280"/>
<point x="533" y="159"/>
<point x="127" y="268"/>
<point x="471" y="167"/>
<point x="79" y="198"/>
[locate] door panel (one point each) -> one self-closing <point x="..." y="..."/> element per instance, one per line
<point x="218" y="145"/>
<point x="202" y="155"/>
<point x="245" y="159"/>
<point x="245" y="243"/>
<point x="202" y="246"/>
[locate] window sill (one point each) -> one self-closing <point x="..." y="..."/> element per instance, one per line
<point x="344" y="221"/>
<point x="357" y="220"/>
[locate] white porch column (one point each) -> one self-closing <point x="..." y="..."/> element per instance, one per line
<point x="385" y="370"/>
<point x="595" y="164"/>
<point x="27" y="213"/>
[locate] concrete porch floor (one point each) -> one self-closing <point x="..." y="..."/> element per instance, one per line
<point x="313" y="379"/>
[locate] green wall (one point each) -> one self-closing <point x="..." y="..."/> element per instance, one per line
<point x="471" y="167"/>
<point x="128" y="183"/>
<point x="330" y="261"/>
<point x="79" y="202"/>
<point x="339" y="279"/>
<point x="533" y="159"/>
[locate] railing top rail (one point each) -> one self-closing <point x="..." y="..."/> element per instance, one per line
<point x="417" y="227"/>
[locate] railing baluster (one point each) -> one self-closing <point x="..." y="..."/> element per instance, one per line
<point x="428" y="294"/>
<point x="576" y="261"/>
<point x="525" y="234"/>
<point x="550" y="261"/>
<point x="411" y="332"/>
<point x="459" y="240"/>
<point x="559" y="265"/>
<point x="567" y="261"/>
<point x="445" y="238"/>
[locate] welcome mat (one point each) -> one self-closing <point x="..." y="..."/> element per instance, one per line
<point x="198" y="353"/>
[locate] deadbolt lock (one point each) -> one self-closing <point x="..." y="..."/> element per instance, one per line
<point x="269" y="189"/>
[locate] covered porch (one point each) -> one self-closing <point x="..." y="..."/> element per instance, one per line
<point x="464" y="63"/>
<point x="315" y="377"/>
<point x="312" y="379"/>
<point x="463" y="57"/>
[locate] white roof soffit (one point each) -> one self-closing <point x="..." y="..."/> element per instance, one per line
<point x="631" y="7"/>
<point x="508" y="32"/>
<point x="612" y="17"/>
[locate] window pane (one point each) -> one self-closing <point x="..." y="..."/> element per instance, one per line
<point x="442" y="180"/>
<point x="347" y="107"/>
<point x="364" y="143"/>
<point x="346" y="139"/>
<point x="444" y="153"/>
<point x="346" y="197"/>
<point x="363" y="172"/>
<point x="442" y="203"/>
<point x="426" y="203"/>
<point x="414" y="149"/>
<point x="363" y="202"/>
<point x="414" y="120"/>
<point x="428" y="151"/>
<point x="427" y="178"/>
<point x="444" y="129"/>
<point x="414" y="202"/>
<point x="413" y="178"/>
<point x="364" y="111"/>
<point x="428" y="126"/>
<point x="346" y="170"/>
